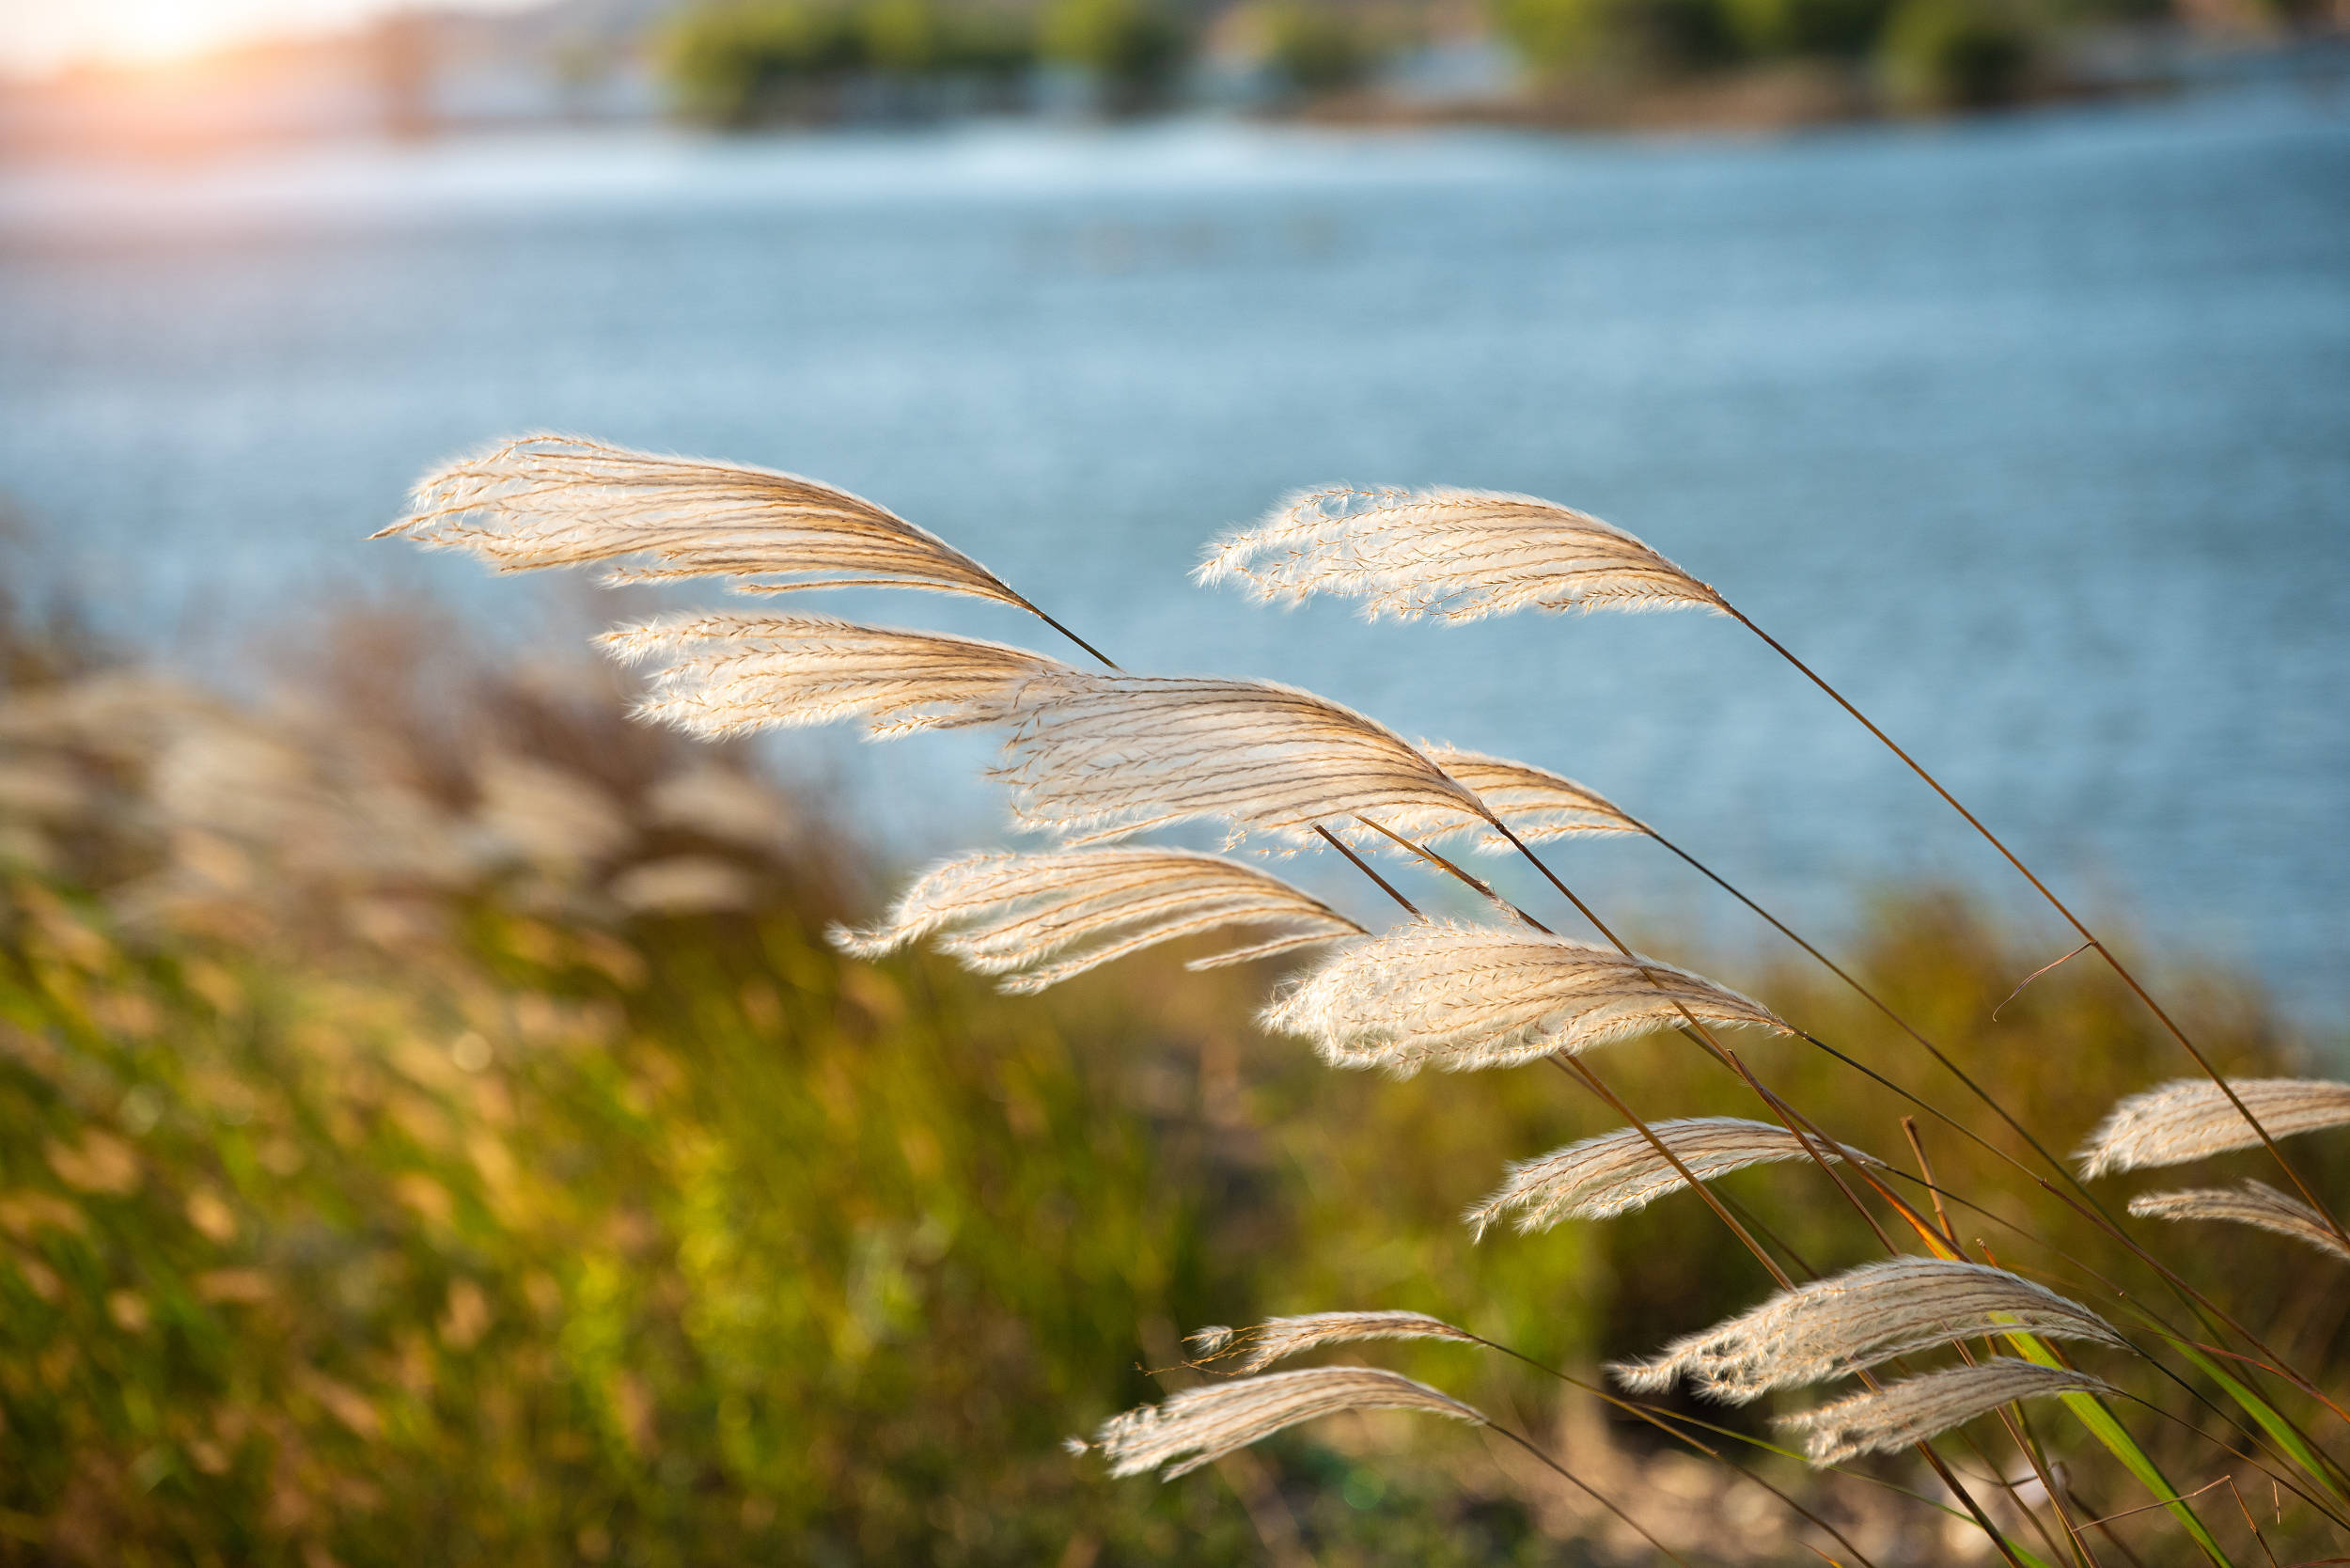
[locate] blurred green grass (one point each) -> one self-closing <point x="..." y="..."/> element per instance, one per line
<point x="361" y="1212"/>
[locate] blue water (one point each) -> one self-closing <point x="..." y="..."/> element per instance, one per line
<point x="2034" y="435"/>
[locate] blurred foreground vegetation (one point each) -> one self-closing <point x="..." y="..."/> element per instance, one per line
<point x="435" y="1131"/>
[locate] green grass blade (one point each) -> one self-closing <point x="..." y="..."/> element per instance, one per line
<point x="2272" y="1420"/>
<point x="2106" y="1430"/>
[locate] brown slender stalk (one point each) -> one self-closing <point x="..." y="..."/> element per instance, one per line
<point x="1591" y="1080"/>
<point x="2194" y="1300"/>
<point x="1531" y="1448"/>
<point x="2208" y="1310"/>
<point x="1654" y="1419"/>
<point x="1364" y="866"/>
<point x="2010" y="1415"/>
<point x="1579" y="1069"/>
<point x="1787" y="1118"/>
<point x="2072" y="919"/>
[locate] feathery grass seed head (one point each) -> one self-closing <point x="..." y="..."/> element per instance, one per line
<point x="729" y="672"/>
<point x="1464" y="996"/>
<point x="554" y="500"/>
<point x="1853" y="1321"/>
<point x="1886" y="1421"/>
<point x="1041" y="918"/>
<point x="1103" y="756"/>
<point x="1277" y="1339"/>
<point x="2253" y="1203"/>
<point x="1538" y="804"/>
<point x="1455" y="553"/>
<point x="2189" y="1119"/>
<point x="1620" y="1171"/>
<point x="1197" y="1426"/>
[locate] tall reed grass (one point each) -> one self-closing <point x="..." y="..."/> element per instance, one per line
<point x="1092" y="756"/>
<point x="435" y="1123"/>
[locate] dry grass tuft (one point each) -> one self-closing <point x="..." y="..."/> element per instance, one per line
<point x="1859" y="1319"/>
<point x="1104" y="756"/>
<point x="1199" y="1426"/>
<point x="1463" y="997"/>
<point x="1277" y="1338"/>
<point x="1618" y="1172"/>
<point x="739" y="672"/>
<point x="1458" y="554"/>
<point x="557" y="500"/>
<point x="1537" y="804"/>
<point x="1022" y="915"/>
<point x="1886" y="1421"/>
<point x="2253" y="1203"/>
<point x="2189" y="1119"/>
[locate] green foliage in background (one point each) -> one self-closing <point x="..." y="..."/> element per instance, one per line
<point x="691" y="1243"/>
<point x="739" y="63"/>
<point x="1942" y="54"/>
<point x="1832" y="28"/>
<point x="1619" y="38"/>
<point x="1135" y="47"/>
<point x="1318" y="48"/>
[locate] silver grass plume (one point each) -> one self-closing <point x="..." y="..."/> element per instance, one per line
<point x="2253" y="1203"/>
<point x="1886" y="1421"/>
<point x="1041" y="918"/>
<point x="1537" y="804"/>
<point x="2189" y="1119"/>
<point x="1620" y="1171"/>
<point x="555" y="500"/>
<point x="1853" y="1321"/>
<point x="1464" y="996"/>
<point x="728" y="672"/>
<point x="1103" y="756"/>
<point x="1277" y="1339"/>
<point x="1455" y="553"/>
<point x="1197" y="1426"/>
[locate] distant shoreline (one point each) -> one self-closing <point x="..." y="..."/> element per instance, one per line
<point x="63" y="124"/>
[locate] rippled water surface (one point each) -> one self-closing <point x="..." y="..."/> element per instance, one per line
<point x="2035" y="436"/>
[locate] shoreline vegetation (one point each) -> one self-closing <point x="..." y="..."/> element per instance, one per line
<point x="744" y="64"/>
<point x="734" y="66"/>
<point x="433" y="1127"/>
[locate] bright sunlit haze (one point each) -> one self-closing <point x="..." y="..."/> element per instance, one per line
<point x="36" y="38"/>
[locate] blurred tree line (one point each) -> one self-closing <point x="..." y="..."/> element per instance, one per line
<point x="739" y="63"/>
<point x="742" y="62"/>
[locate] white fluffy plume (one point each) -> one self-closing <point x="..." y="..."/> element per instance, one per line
<point x="1454" y="553"/>
<point x="1277" y="1339"/>
<point x="554" y="500"/>
<point x="732" y="671"/>
<point x="1199" y="1426"/>
<point x="2253" y="1203"/>
<point x="1041" y="918"/>
<point x="2189" y="1119"/>
<point x="1537" y="804"/>
<point x="1103" y="756"/>
<point x="1461" y="996"/>
<point x="1855" y="1320"/>
<point x="1620" y="1171"/>
<point x="1906" y="1413"/>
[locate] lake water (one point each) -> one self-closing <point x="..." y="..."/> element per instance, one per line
<point x="2034" y="435"/>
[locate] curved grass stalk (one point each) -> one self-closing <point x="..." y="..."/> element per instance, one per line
<point x="2081" y="929"/>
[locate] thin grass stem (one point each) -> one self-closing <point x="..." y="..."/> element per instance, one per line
<point x="2085" y="934"/>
